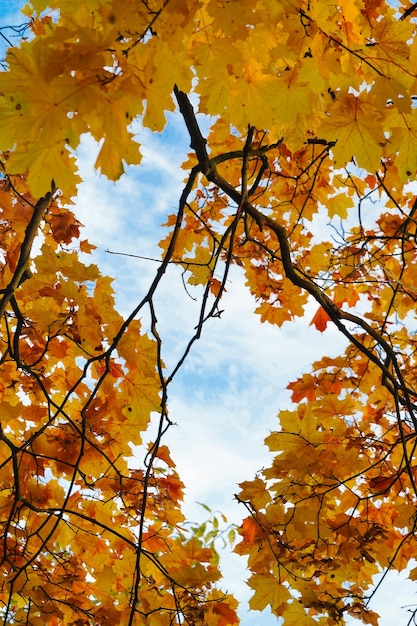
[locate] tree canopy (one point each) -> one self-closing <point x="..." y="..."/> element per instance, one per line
<point x="312" y="115"/>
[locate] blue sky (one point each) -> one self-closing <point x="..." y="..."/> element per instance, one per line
<point x="10" y="17"/>
<point x="226" y="398"/>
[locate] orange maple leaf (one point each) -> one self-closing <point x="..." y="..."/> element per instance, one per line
<point x="320" y="319"/>
<point x="303" y="387"/>
<point x="65" y="227"/>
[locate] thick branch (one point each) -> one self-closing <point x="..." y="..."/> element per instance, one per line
<point x="26" y="247"/>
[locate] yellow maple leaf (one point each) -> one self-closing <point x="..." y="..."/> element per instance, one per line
<point x="142" y="396"/>
<point x="294" y="614"/>
<point x="40" y="161"/>
<point x="255" y="492"/>
<point x="200" y="266"/>
<point x="268" y="592"/>
<point x="403" y="150"/>
<point x="353" y="126"/>
<point x="339" y="205"/>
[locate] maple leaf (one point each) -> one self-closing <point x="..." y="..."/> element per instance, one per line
<point x="200" y="266"/>
<point x="64" y="226"/>
<point x="216" y="287"/>
<point x="142" y="398"/>
<point x="321" y="319"/>
<point x="295" y="615"/>
<point x="353" y="128"/>
<point x="256" y="492"/>
<point x="339" y="205"/>
<point x="365" y="615"/>
<point x="226" y="614"/>
<point x="267" y="593"/>
<point x="304" y="387"/>
<point x="86" y="246"/>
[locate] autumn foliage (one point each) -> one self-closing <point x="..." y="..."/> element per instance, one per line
<point x="313" y="122"/>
